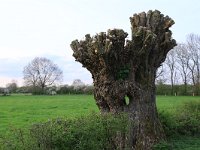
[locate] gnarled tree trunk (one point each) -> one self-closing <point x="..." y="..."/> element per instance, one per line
<point x="128" y="69"/>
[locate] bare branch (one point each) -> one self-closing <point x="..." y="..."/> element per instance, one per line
<point x="41" y="72"/>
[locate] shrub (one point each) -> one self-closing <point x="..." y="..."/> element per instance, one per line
<point x="17" y="139"/>
<point x="168" y="122"/>
<point x="91" y="132"/>
<point x="189" y="118"/>
<point x="184" y="121"/>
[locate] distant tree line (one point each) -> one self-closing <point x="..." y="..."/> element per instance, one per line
<point x="161" y="89"/>
<point x="180" y="73"/>
<point x="77" y="87"/>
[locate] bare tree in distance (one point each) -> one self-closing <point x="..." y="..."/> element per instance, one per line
<point x="183" y="59"/>
<point x="160" y="72"/>
<point x="184" y="66"/>
<point x="161" y="75"/>
<point x="12" y="86"/>
<point x="171" y="63"/>
<point x="78" y="84"/>
<point x="193" y="42"/>
<point x="121" y="68"/>
<point x="42" y="72"/>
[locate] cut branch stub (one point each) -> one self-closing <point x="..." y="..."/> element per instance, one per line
<point x="155" y="25"/>
<point x="101" y="51"/>
<point x="151" y="41"/>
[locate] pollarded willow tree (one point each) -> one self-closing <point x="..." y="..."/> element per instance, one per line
<point x="127" y="68"/>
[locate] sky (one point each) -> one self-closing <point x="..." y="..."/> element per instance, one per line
<point x="45" y="28"/>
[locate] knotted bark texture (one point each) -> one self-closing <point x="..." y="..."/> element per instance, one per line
<point x="127" y="68"/>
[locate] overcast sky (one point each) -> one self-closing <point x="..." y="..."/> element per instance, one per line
<point x="45" y="28"/>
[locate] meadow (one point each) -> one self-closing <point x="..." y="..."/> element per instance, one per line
<point x="21" y="111"/>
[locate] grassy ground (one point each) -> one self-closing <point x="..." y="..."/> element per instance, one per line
<point x="22" y="111"/>
<point x="169" y="103"/>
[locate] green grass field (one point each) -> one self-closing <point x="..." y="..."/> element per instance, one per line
<point x="21" y="110"/>
<point x="24" y="110"/>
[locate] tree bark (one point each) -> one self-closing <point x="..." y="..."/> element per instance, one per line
<point x="128" y="69"/>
